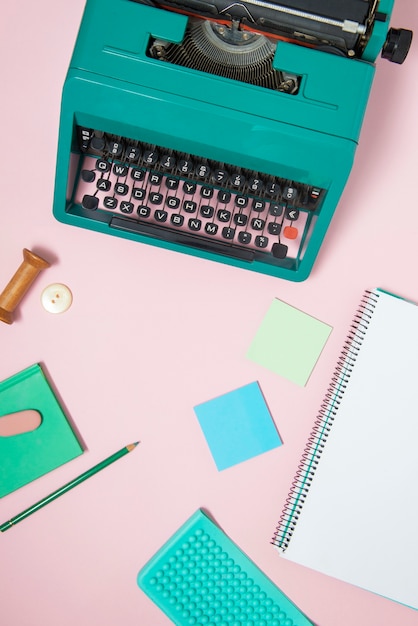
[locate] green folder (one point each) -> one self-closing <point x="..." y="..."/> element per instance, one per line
<point x="29" y="455"/>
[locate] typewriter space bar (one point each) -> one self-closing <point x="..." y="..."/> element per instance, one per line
<point x="186" y="239"/>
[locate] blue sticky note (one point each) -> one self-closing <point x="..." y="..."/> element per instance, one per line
<point x="237" y="426"/>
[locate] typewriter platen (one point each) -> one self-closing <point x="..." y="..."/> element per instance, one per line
<point x="221" y="129"/>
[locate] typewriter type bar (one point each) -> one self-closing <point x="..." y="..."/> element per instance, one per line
<point x="342" y="27"/>
<point x="203" y="137"/>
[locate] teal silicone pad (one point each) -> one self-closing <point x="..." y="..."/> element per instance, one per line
<point x="201" y="577"/>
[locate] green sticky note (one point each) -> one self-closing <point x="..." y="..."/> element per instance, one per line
<point x="28" y="455"/>
<point x="289" y="342"/>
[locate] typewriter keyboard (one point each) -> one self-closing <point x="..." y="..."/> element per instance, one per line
<point x="200" y="577"/>
<point x="189" y="200"/>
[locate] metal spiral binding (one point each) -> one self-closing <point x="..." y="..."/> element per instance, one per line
<point x="324" y="421"/>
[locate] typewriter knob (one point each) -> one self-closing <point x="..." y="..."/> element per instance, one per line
<point x="397" y="44"/>
<point x="97" y="144"/>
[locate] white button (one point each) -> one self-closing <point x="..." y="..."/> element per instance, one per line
<point x="56" y="298"/>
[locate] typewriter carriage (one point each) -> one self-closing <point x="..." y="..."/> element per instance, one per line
<point x="352" y="28"/>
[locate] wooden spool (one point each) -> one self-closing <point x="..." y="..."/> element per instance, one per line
<point x="19" y="284"/>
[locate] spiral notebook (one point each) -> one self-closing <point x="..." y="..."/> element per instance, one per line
<point x="352" y="511"/>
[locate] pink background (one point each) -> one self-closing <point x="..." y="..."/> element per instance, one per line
<point x="152" y="333"/>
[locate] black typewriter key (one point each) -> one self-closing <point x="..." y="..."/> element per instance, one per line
<point x="189" y="206"/>
<point x="211" y="228"/>
<point x="292" y="214"/>
<point x="224" y="197"/>
<point x="120" y="170"/>
<point x="137" y="174"/>
<point x="223" y="216"/>
<point x="110" y="202"/>
<point x="241" y="201"/>
<point x="88" y="176"/>
<point x="240" y="219"/>
<point x="194" y="224"/>
<point x="274" y="228"/>
<point x="228" y="232"/>
<point x="172" y="202"/>
<point x="161" y="216"/>
<point x="84" y="136"/>
<point x="279" y="250"/>
<point x="261" y="241"/>
<point x="115" y="148"/>
<point x="275" y="209"/>
<point x="313" y="197"/>
<point x="155" y="198"/>
<point x="202" y="170"/>
<point x="150" y="157"/>
<point x="290" y="194"/>
<point x="102" y="165"/>
<point x="103" y="184"/>
<point x="155" y="179"/>
<point x="168" y="162"/>
<point x="189" y="188"/>
<point x="126" y="207"/>
<point x="171" y="183"/>
<point x="138" y="193"/>
<point x="206" y="192"/>
<point x="255" y="185"/>
<point x="257" y="223"/>
<point x="133" y="153"/>
<point x="244" y="237"/>
<point x="219" y="177"/>
<point x="237" y="180"/>
<point x="121" y="189"/>
<point x="177" y="220"/>
<point x="258" y="206"/>
<point x="206" y="211"/>
<point x="185" y="166"/>
<point x="143" y="211"/>
<point x="90" y="202"/>
<point x="97" y="144"/>
<point x="272" y="189"/>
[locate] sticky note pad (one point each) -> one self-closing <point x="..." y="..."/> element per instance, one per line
<point x="27" y="455"/>
<point x="237" y="426"/>
<point x="289" y="342"/>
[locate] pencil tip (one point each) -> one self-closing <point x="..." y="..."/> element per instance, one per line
<point x="132" y="446"/>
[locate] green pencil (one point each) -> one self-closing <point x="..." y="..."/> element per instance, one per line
<point x="73" y="483"/>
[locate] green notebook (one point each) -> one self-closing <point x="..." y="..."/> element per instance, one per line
<point x="28" y="455"/>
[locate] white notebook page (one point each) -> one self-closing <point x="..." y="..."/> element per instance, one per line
<point x="359" y="522"/>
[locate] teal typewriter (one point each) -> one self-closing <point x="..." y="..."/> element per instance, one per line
<point x="222" y="129"/>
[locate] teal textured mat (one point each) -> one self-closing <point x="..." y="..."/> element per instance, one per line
<point x="201" y="577"/>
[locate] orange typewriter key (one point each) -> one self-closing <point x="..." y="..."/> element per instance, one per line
<point x="290" y="232"/>
<point x="19" y="284"/>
